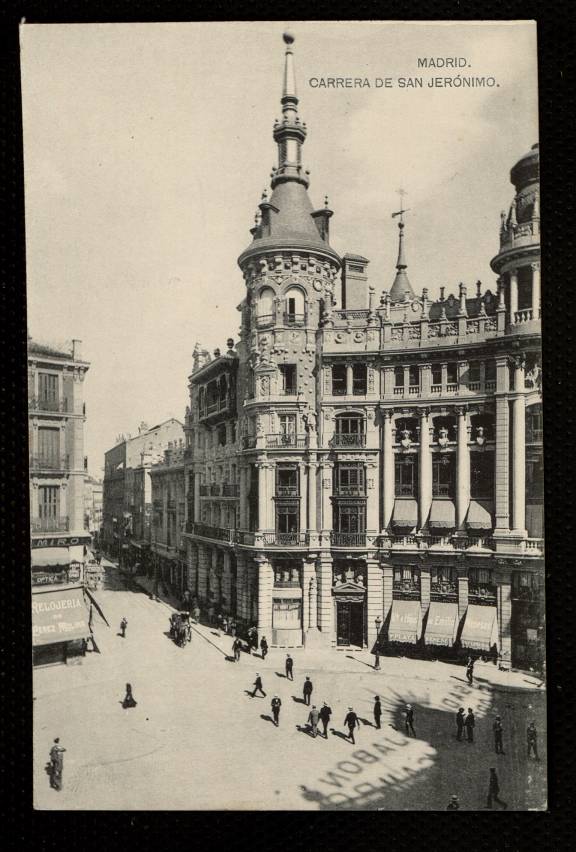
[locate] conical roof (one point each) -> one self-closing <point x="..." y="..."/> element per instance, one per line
<point x="401" y="284"/>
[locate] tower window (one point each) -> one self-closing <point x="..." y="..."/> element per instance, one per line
<point x="436" y="374"/>
<point x="399" y="377"/>
<point x="339" y="380"/>
<point x="289" y="379"/>
<point x="359" y="379"/>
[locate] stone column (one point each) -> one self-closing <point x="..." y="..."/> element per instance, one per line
<point x="462" y="469"/>
<point x="513" y="294"/>
<point x="406" y="380"/>
<point x="502" y="445"/>
<point x="387" y="590"/>
<point x="372" y="494"/>
<point x="324" y="596"/>
<point x="504" y="606"/>
<point x="203" y="565"/>
<point x="387" y="470"/>
<point x="519" y="453"/>
<point x="243" y="501"/>
<point x="326" y="469"/>
<point x="425" y="380"/>
<point x="265" y="589"/>
<point x="197" y="507"/>
<point x="425" y="483"/>
<point x="374" y="599"/>
<point x="241" y="611"/>
<point x="303" y="492"/>
<point x="312" y="495"/>
<point x="535" y="290"/>
<point x="444" y="370"/>
<point x="388" y="381"/>
<point x="425" y="584"/>
<point x="227" y="581"/>
<point x="270" y="492"/>
<point x="462" y="592"/>
<point x="349" y="380"/>
<point x="308" y="571"/>
<point x="262" y="495"/>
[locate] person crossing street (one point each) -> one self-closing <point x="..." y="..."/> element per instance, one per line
<point x="313" y="718"/>
<point x="325" y="713"/>
<point x="289" y="666"/>
<point x="377" y="711"/>
<point x="263" y="647"/>
<point x="258" y="687"/>
<point x="275" y="705"/>
<point x="56" y="765"/>
<point x="307" y="690"/>
<point x="469" y="724"/>
<point x="352" y="722"/>
<point x="123" y="626"/>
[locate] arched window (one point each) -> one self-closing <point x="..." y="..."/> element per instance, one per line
<point x="265" y="307"/>
<point x="295" y="306"/>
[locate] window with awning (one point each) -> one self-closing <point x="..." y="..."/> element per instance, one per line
<point x="405" y="622"/>
<point x="59" y="616"/>
<point x="479" y="517"/>
<point x="442" y="515"/>
<point x="480" y="630"/>
<point x="442" y="624"/>
<point x="405" y="514"/>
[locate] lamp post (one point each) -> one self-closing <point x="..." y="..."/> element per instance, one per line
<point x="378" y="625"/>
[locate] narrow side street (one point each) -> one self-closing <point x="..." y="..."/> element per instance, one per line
<point x="196" y="736"/>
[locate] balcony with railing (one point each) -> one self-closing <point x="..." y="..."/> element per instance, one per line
<point x="287" y="491"/>
<point x="273" y="538"/>
<point x="264" y="320"/>
<point x="349" y="490"/>
<point x="293" y="319"/>
<point x="406" y="589"/>
<point x="58" y="406"/>
<point x="283" y="441"/>
<point x="42" y="462"/>
<point x="248" y="442"/>
<point x="230" y="489"/>
<point x="355" y="439"/>
<point x="49" y="524"/>
<point x="215" y="533"/>
<point x="348" y="539"/>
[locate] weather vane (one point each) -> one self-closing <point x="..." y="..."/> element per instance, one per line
<point x="401" y="193"/>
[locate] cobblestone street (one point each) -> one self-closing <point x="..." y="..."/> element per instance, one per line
<point x="197" y="740"/>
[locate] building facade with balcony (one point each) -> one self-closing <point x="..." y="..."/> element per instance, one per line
<point x="127" y="492"/>
<point x="167" y="551"/>
<point x="383" y="455"/>
<point x="56" y="417"/>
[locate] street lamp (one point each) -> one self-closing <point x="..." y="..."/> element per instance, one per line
<point x="378" y="625"/>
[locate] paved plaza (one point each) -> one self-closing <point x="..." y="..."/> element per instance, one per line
<point x="197" y="740"/>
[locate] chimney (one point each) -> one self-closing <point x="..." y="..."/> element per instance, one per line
<point x="354" y="282"/>
<point x="77" y="350"/>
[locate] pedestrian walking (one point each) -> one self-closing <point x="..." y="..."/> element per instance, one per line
<point x="129" y="698"/>
<point x="377" y="659"/>
<point x="494" y="791"/>
<point x="409" y="721"/>
<point x="532" y="740"/>
<point x="459" y="724"/>
<point x="470" y="670"/>
<point x="123" y="626"/>
<point x="56" y="765"/>
<point x="258" y="686"/>
<point x="453" y="804"/>
<point x="313" y="719"/>
<point x="276" y="704"/>
<point x="289" y="667"/>
<point x="325" y="713"/>
<point x="377" y="711"/>
<point x="497" y="728"/>
<point x="236" y="647"/>
<point x="264" y="647"/>
<point x="469" y="724"/>
<point x="307" y="690"/>
<point x="352" y="722"/>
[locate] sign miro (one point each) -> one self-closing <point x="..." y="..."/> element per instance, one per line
<point x="59" y="541"/>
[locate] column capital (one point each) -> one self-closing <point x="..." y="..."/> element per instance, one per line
<point x="535" y="266"/>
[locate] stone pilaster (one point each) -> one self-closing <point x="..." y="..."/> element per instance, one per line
<point x="204" y="559"/>
<point x="535" y="291"/>
<point x="227" y="581"/>
<point x="504" y="605"/>
<point x="462" y="469"/>
<point x="324" y="599"/>
<point x="374" y="599"/>
<point x="312" y="496"/>
<point x="462" y="592"/>
<point x="372" y="494"/>
<point x="502" y="484"/>
<point x="387" y="470"/>
<point x="425" y="584"/>
<point x="265" y="589"/>
<point x="519" y="453"/>
<point x="425" y="478"/>
<point x="387" y="589"/>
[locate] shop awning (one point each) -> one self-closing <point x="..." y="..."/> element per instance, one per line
<point x="59" y="617"/>
<point x="442" y="515"/>
<point x="479" y="517"/>
<point x="480" y="628"/>
<point x="405" y="514"/>
<point x="405" y="621"/>
<point x="44" y="557"/>
<point x="442" y="624"/>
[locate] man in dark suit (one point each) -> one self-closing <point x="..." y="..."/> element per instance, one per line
<point x="275" y="704"/>
<point x="494" y="791"/>
<point x="497" y="728"/>
<point x="377" y="711"/>
<point x="289" y="667"/>
<point x="258" y="686"/>
<point x="459" y="724"/>
<point x="325" y="713"/>
<point x="307" y="690"/>
<point x="469" y="724"/>
<point x="351" y="721"/>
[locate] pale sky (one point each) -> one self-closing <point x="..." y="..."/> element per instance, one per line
<point x="147" y="148"/>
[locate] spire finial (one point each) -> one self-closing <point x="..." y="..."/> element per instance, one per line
<point x="289" y="132"/>
<point x="401" y="285"/>
<point x="289" y="89"/>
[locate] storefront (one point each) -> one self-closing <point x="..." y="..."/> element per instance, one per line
<point x="480" y="630"/>
<point x="287" y="620"/>
<point x="59" y="624"/>
<point x="441" y="624"/>
<point x="405" y="625"/>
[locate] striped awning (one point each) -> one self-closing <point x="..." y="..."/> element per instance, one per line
<point x="479" y="517"/>
<point x="405" y="514"/>
<point x="405" y="622"/>
<point x="480" y="630"/>
<point x="442" y="515"/>
<point x="442" y="624"/>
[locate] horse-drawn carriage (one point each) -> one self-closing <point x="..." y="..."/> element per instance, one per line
<point x="180" y="628"/>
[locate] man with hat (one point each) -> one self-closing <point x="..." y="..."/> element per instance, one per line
<point x="313" y="719"/>
<point x="56" y="764"/>
<point x="275" y="704"/>
<point x="258" y="686"/>
<point x="409" y="721"/>
<point x="377" y="711"/>
<point x="289" y="667"/>
<point x="453" y="804"/>
<point x="352" y="721"/>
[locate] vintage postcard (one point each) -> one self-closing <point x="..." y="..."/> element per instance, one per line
<point x="285" y="416"/>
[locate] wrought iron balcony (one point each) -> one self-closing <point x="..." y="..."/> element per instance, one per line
<point x="347" y="539"/>
<point x="39" y="404"/>
<point x="287" y="491"/>
<point x="216" y="533"/>
<point x="42" y="462"/>
<point x="284" y="539"/>
<point x="49" y="524"/>
<point x="350" y="491"/>
<point x="286" y="440"/>
<point x="357" y="439"/>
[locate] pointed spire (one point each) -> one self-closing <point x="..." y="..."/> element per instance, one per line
<point x="401" y="288"/>
<point x="290" y="132"/>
